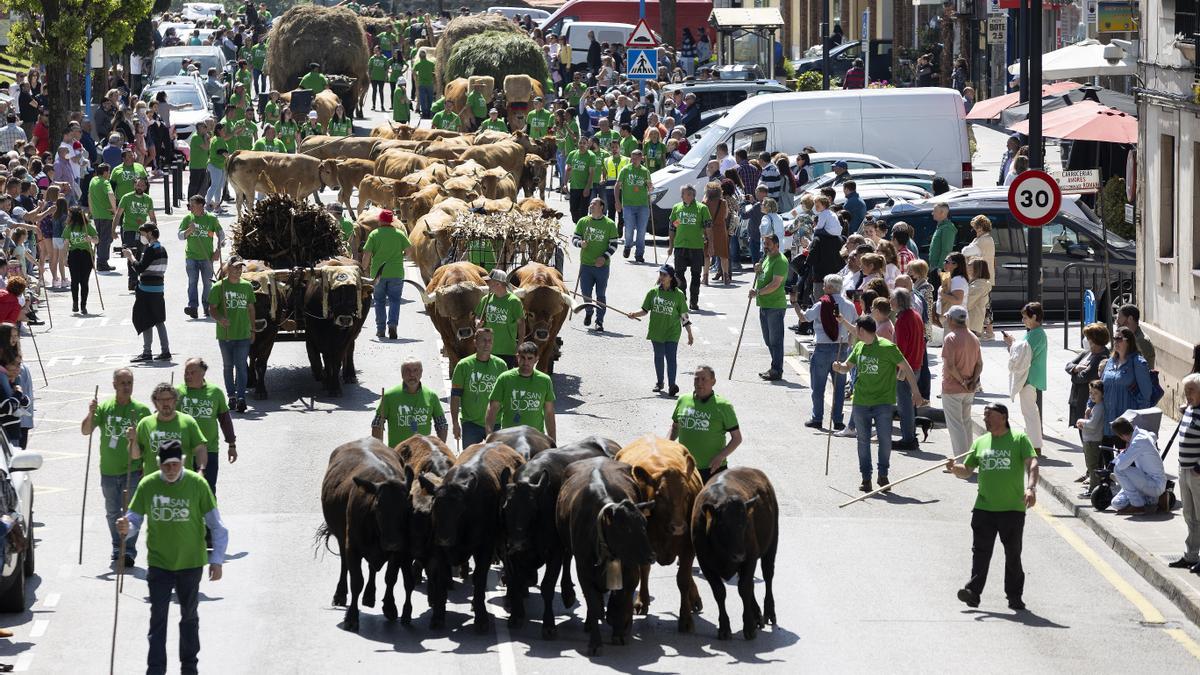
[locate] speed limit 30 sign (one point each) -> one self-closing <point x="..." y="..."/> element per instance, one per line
<point x="1034" y="198"/>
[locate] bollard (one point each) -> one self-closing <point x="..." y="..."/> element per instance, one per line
<point x="177" y="180"/>
<point x="166" y="194"/>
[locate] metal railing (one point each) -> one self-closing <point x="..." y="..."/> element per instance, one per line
<point x="1090" y="276"/>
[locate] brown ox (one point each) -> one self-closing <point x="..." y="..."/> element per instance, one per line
<point x="405" y="132"/>
<point x="456" y="90"/>
<point x="364" y="225"/>
<point x="410" y="209"/>
<point x="533" y="176"/>
<point x="325" y="102"/>
<point x="498" y="184"/>
<point x="399" y="163"/>
<point x="666" y="473"/>
<point x="338" y="147"/>
<point x="430" y="236"/>
<point x="547" y="305"/>
<point x="442" y="150"/>
<point x="450" y="299"/>
<point x="507" y="154"/>
<point x="378" y="191"/>
<point x="537" y="206"/>
<point x="272" y="172"/>
<point x="542" y="147"/>
<point x="344" y="175"/>
<point x="489" y="136"/>
<point x="465" y="188"/>
<point x="493" y="205"/>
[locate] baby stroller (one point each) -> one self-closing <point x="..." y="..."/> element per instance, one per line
<point x="1148" y="419"/>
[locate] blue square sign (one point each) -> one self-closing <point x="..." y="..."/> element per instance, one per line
<point x="641" y="64"/>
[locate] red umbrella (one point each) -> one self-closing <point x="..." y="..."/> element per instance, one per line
<point x="990" y="108"/>
<point x="1086" y="121"/>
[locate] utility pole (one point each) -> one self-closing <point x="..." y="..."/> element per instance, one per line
<point x="1033" y="37"/>
<point x="1023" y="49"/>
<point x="825" y="44"/>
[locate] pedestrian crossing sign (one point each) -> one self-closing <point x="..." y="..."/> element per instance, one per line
<point x="643" y="64"/>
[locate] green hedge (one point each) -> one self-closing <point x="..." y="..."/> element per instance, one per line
<point x="498" y="55"/>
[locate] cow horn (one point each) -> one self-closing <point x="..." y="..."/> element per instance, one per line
<point x="425" y="297"/>
<point x="644" y="506"/>
<point x="519" y="292"/>
<point x="569" y="299"/>
<point x="752" y="501"/>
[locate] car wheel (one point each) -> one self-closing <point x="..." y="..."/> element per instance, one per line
<point x="12" y="598"/>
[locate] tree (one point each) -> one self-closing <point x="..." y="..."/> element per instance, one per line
<point x="666" y="13"/>
<point x="55" y="34"/>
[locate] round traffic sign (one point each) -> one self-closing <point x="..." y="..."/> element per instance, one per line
<point x="1034" y="198"/>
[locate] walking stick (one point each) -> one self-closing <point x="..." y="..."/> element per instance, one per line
<point x="96" y="273"/>
<point x="46" y="293"/>
<point x="120" y="585"/>
<point x="38" y="353"/>
<point x="605" y="306"/>
<point x="828" y="442"/>
<point x="653" y="236"/>
<point x="893" y="484"/>
<point x="87" y="469"/>
<point x="740" y="334"/>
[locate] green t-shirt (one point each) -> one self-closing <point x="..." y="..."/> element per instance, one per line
<point x="347" y="226"/>
<point x="314" y="82"/>
<point x="665" y="308"/>
<point x="522" y="399"/>
<point x="876" y="366"/>
<point x="1000" y="461"/>
<point x="243" y="134"/>
<point x="447" y="120"/>
<point x="477" y="104"/>
<point x="342" y="127"/>
<point x="234" y="108"/>
<point x="264" y="145"/>
<point x="151" y="432"/>
<point x="244" y="76"/>
<point x="199" y="245"/>
<point x="234" y="302"/>
<point x="423" y="69"/>
<point x="494" y="125"/>
<point x="772" y="266"/>
<point x="77" y="237"/>
<point x="258" y="53"/>
<point x="98" y="191"/>
<point x="605" y="137"/>
<point x="112" y="420"/>
<point x="408" y="414"/>
<point x="135" y="210"/>
<point x="690" y="221"/>
<point x="539" y="123"/>
<point x="401" y="107"/>
<point x="377" y="67"/>
<point x="502" y="315"/>
<point x="580" y="165"/>
<point x="123" y="178"/>
<point x="574" y="92"/>
<point x="396" y="69"/>
<point x="205" y="405"/>
<point x="567" y="136"/>
<point x="635" y="185"/>
<point x="386" y="246"/>
<point x="596" y="233"/>
<point x="174" y="519"/>
<point x="199" y="152"/>
<point x="702" y="426"/>
<point x="628" y="145"/>
<point x="271" y="112"/>
<point x="473" y="382"/>
<point x="1037" y="364"/>
<point x="386" y="41"/>
<point x="656" y="155"/>
<point x="287" y="134"/>
<point x="215" y="157"/>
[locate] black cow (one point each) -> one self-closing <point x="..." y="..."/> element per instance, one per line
<point x="603" y="527"/>
<point x="427" y="456"/>
<point x="364" y="497"/>
<point x="336" y="304"/>
<point x="526" y="440"/>
<point x="466" y="524"/>
<point x="269" y="307"/>
<point x="735" y="523"/>
<point x="530" y="534"/>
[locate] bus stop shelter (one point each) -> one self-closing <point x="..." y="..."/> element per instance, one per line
<point x="747" y="36"/>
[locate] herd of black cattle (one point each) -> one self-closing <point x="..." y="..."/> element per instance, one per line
<point x="519" y="500"/>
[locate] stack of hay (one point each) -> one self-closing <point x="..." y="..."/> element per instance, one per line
<point x="463" y="27"/>
<point x="330" y="36"/>
<point x="285" y="233"/>
<point x="514" y="238"/>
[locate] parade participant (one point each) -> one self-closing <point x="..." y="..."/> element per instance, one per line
<point x="289" y="131"/>
<point x="401" y="106"/>
<point x="523" y="395"/>
<point x="583" y="171"/>
<point x="383" y="259"/>
<point x="1189" y="472"/>
<point x="632" y="200"/>
<point x="566" y="139"/>
<point x="271" y="114"/>
<point x="377" y="70"/>
<point x="347" y="226"/>
<point x="1139" y="471"/>
<point x="538" y="121"/>
<point x="475" y="104"/>
<point x="81" y="238"/>
<point x="830" y="343"/>
<point x="700" y="422"/>
<point x="423" y="73"/>
<point x="149" y="305"/>
<point x="597" y="236"/>
<point x="198" y="146"/>
<point x="879" y="364"/>
<point x="1035" y="377"/>
<point x="102" y="203"/>
<point x="397" y="68"/>
<point x="207" y="405"/>
<point x="470" y="387"/>
<point x="176" y="506"/>
<point x="218" y="152"/>
<point x="493" y="122"/>
<point x="504" y="314"/>
<point x="313" y="80"/>
<point x="339" y="124"/>
<point x="311" y="125"/>
<point x="1008" y="476"/>
<point x="231" y="303"/>
<point x="409" y="408"/>
<point x="447" y="119"/>
<point x="690" y="225"/>
<point x="198" y="228"/>
<point x="167" y="423"/>
<point x="771" y="299"/>
<point x="667" y="307"/>
<point x="269" y="141"/>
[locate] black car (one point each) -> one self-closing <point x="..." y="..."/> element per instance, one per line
<point x="842" y="57"/>
<point x="722" y="94"/>
<point x="1067" y="240"/>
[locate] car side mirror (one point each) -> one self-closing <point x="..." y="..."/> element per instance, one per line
<point x="1079" y="251"/>
<point x="26" y="461"/>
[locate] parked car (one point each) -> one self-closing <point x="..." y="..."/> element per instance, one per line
<point x="539" y="16"/>
<point x="918" y="177"/>
<point x="201" y="11"/>
<point x="167" y="60"/>
<point x="720" y="94"/>
<point x="842" y="57"/>
<point x="182" y="90"/>
<point x="15" y="465"/>
<point x="821" y="163"/>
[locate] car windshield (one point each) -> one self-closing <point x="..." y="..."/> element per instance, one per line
<point x="168" y="66"/>
<point x="179" y="96"/>
<point x="1095" y="229"/>
<point x="704" y="147"/>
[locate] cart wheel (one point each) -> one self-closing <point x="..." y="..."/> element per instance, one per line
<point x="1102" y="496"/>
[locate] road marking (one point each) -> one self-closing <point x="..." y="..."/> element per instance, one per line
<point x="45" y="490"/>
<point x="1149" y="612"/>
<point x="51" y="600"/>
<point x="23" y="662"/>
<point x="39" y="628"/>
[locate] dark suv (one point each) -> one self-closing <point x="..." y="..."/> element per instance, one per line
<point x="1067" y="240"/>
<point x="722" y="94"/>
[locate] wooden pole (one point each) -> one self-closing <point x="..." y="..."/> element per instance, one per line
<point x="601" y="304"/>
<point x="828" y="442"/>
<point x="87" y="468"/>
<point x="38" y="352"/>
<point x="96" y="274"/>
<point x="120" y="585"/>
<point x="45" y="292"/>
<point x="742" y="332"/>
<point x="938" y="465"/>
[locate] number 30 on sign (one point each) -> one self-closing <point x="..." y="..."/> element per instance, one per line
<point x="1034" y="198"/>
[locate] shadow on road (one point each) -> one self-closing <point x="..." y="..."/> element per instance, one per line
<point x="1026" y="618"/>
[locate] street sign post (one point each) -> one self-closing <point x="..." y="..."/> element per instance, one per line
<point x="997" y="30"/>
<point x="641" y="64"/>
<point x="1034" y="198"/>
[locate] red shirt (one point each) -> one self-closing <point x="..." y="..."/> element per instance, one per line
<point x="41" y="137"/>
<point x="10" y="308"/>
<point x="910" y="338"/>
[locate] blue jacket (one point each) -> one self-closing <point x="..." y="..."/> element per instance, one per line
<point x="1126" y="387"/>
<point x="857" y="208"/>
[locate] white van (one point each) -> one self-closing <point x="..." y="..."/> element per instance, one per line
<point x="539" y="16"/>
<point x="576" y="35"/>
<point x="911" y="128"/>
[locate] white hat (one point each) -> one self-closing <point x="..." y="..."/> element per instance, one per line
<point x="312" y="114"/>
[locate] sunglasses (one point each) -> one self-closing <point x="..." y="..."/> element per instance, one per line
<point x="1119" y="339"/>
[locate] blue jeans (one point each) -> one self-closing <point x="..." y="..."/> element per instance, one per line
<point x="112" y="486"/>
<point x="771" y="322"/>
<point x="186" y="584"/>
<point x="664" y="354"/>
<point x="199" y="271"/>
<point x="592" y="278"/>
<point x="820" y="367"/>
<point x="216" y="186"/>
<point x="863" y="416"/>
<point x="425" y="98"/>
<point x="635" y="220"/>
<point x="234" y="355"/>
<point x="387" y="302"/>
<point x="925" y="378"/>
<point x="908" y="414"/>
<point x="561" y="161"/>
<point x="472" y="433"/>
<point x="213" y="467"/>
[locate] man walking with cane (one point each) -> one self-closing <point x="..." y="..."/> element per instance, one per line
<point x="176" y="505"/>
<point x="772" y="303"/>
<point x="1008" y="475"/>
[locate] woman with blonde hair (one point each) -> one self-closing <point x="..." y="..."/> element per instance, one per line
<point x="979" y="287"/>
<point x="983" y="246"/>
<point x="718" y="242"/>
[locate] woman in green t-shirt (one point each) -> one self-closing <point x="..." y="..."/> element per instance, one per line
<point x="288" y="130"/>
<point x="667" y="307"/>
<point x="81" y="236"/>
<point x="655" y="150"/>
<point x="339" y="124"/>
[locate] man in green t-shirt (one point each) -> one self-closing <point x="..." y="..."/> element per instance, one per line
<point x="476" y="105"/>
<point x="447" y="119"/>
<point x="118" y="474"/>
<point x="164" y="425"/>
<point x="198" y="159"/>
<point x="218" y="152"/>
<point x="134" y="210"/>
<point x="504" y="314"/>
<point x="494" y="123"/>
<point x="575" y="90"/>
<point x="377" y="70"/>
<point x="1008" y="477"/>
<point x="769" y="275"/>
<point x="423" y="72"/>
<point x="126" y="173"/>
<point x="523" y="395"/>
<point x="409" y="409"/>
<point x="470" y="388"/>
<point x="383" y="259"/>
<point x="207" y="405"/>
<point x="879" y="363"/>
<point x="313" y="80"/>
<point x="597" y="236"/>
<point x="176" y="506"/>
<point x="631" y="195"/>
<point x="258" y="62"/>
<point x="271" y="113"/>
<point x="231" y="303"/>
<point x="102" y="202"/>
<point x="198" y="229"/>
<point x="539" y="120"/>
<point x="583" y="171"/>
<point x="700" y="422"/>
<point x="690" y="226"/>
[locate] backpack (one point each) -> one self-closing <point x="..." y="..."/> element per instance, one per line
<point x="1156" y="388"/>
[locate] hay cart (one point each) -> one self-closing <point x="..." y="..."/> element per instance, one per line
<point x="505" y="240"/>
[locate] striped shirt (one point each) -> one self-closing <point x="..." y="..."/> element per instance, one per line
<point x="1189" y="438"/>
<point x="151" y="268"/>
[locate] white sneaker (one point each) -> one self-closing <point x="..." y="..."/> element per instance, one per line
<point x="848" y="432"/>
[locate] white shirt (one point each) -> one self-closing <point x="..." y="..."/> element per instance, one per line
<point x="773" y="223"/>
<point x="727" y="163"/>
<point x="829" y="223"/>
<point x="957" y="283"/>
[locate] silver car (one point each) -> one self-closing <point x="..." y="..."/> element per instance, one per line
<point x="16" y="496"/>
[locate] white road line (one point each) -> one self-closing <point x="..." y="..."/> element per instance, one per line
<point x="39" y="628"/>
<point x="23" y="663"/>
<point x="504" y="645"/>
<point x="51" y="600"/>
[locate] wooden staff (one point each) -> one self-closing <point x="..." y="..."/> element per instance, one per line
<point x="828" y="442"/>
<point x="87" y="469"/>
<point x="742" y="332"/>
<point x="38" y="352"/>
<point x="601" y="304"/>
<point x="96" y="273"/>
<point x="120" y="585"/>
<point x="45" y="292"/>
<point x="893" y="484"/>
<point x="653" y="236"/>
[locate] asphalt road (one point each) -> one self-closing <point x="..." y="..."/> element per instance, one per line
<point x="867" y="588"/>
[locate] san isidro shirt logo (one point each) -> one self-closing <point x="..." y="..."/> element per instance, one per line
<point x="868" y="365"/>
<point x="235" y="300"/>
<point x="995" y="461"/>
<point x="496" y="314"/>
<point x="661" y="305"/>
<point x="520" y="401"/>
<point x="411" y="416"/>
<point x="695" y="420"/>
<point x="166" y="509"/>
<point x="481" y="383"/>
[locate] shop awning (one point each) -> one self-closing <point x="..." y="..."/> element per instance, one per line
<point x="990" y="108"/>
<point x="1086" y="121"/>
